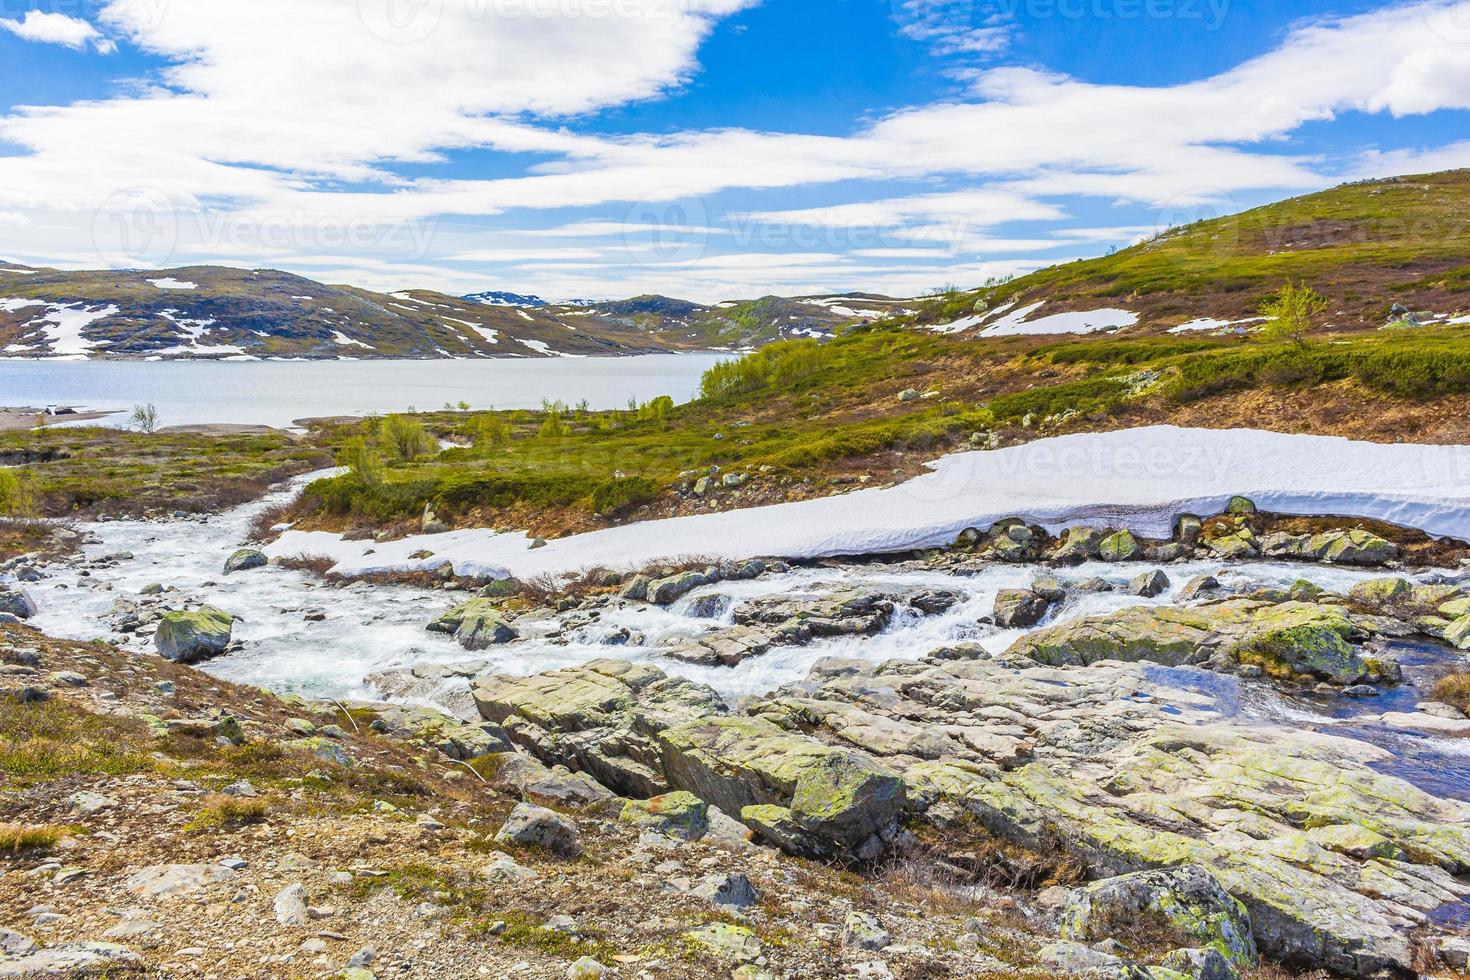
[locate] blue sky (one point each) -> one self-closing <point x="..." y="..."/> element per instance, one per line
<point x="708" y="149"/>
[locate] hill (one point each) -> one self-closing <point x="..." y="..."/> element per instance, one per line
<point x="217" y="313"/>
<point x="1365" y="246"/>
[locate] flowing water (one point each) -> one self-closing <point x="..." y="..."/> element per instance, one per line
<point x="367" y="629"/>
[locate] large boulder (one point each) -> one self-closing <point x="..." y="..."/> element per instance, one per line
<point x="1186" y="901"/>
<point x="1284" y="638"/>
<point x="677" y="814"/>
<point x="851" y="800"/>
<point x="538" y="827"/>
<point x="17" y="603"/>
<point x="189" y="637"/>
<point x="1078" y="545"/>
<point x="1122" y="546"/>
<point x="244" y="560"/>
<point x="477" y="625"/>
<point x="1354" y="547"/>
<point x="1019" y="608"/>
<point x="662" y="592"/>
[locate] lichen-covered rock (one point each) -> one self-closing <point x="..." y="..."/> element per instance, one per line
<point x="1119" y="547"/>
<point x="728" y="941"/>
<point x="850" y="800"/>
<point x="1290" y="637"/>
<point x="1383" y="595"/>
<point x="1236" y="545"/>
<point x="1078" y="544"/>
<point x="662" y="592"/>
<point x="1019" y="608"/>
<point x="1198" y="586"/>
<point x="1457" y="633"/>
<point x="244" y="560"/>
<point x="73" y="960"/>
<point x="676" y="814"/>
<point x="534" y="826"/>
<point x="189" y="637"/>
<point x="1187" y="529"/>
<point x="1240" y="506"/>
<point x="1187" y="901"/>
<point x="478" y="625"/>
<point x="17" y="603"/>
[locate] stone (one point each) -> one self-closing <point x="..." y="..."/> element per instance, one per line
<point x="1186" y="900"/>
<point x="1197" y="587"/>
<point x="1149" y="584"/>
<point x="1240" y="507"/>
<point x="1382" y="595"/>
<point x="586" y="968"/>
<point x="1119" y="547"/>
<point x="190" y="637"/>
<point x="1078" y="545"/>
<point x="245" y="560"/>
<point x="13" y="943"/>
<point x="1200" y="964"/>
<point x="73" y="959"/>
<point x="848" y="799"/>
<point x="727" y="891"/>
<point x="1019" y="608"/>
<point x="478" y="625"/>
<point x="538" y="827"/>
<point x="1187" y="529"/>
<point x="1236" y="545"/>
<point x="728" y="941"/>
<point x="503" y="868"/>
<point x="173" y="880"/>
<point x="290" y="906"/>
<point x="664" y="591"/>
<point x="430" y="522"/>
<point x="677" y="814"/>
<point x="17" y="603"/>
<point x="87" y="803"/>
<point x="862" y="930"/>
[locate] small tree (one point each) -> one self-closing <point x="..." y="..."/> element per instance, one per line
<point x="365" y="465"/>
<point x="490" y="431"/>
<point x="404" y="439"/>
<point x="1292" y="313"/>
<point x="144" y="418"/>
<point x="17" y="495"/>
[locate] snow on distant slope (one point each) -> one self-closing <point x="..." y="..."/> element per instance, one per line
<point x="62" y="326"/>
<point x="1136" y="478"/>
<point x="1018" y="324"/>
<point x="498" y="298"/>
<point x="171" y="283"/>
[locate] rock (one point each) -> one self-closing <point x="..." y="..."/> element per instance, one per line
<point x="290" y="906"/>
<point x="727" y="891"/>
<point x="1094" y="584"/>
<point x="1200" y="964"/>
<point x="1119" y="547"/>
<point x="1187" y="901"/>
<point x="244" y="560"/>
<point x="1019" y="608"/>
<point x="909" y="395"/>
<point x="13" y="943"/>
<point x="1240" y="507"/>
<point x="477" y="625"/>
<point x="362" y="958"/>
<point x="848" y="799"/>
<point x="664" y="591"/>
<point x="1187" y="529"/>
<point x="1290" y="637"/>
<point x="534" y="826"/>
<point x="1150" y="584"/>
<point x="1237" y="545"/>
<point x="1457" y="634"/>
<point x="17" y="603"/>
<point x="677" y="814"/>
<point x="68" y="678"/>
<point x="728" y="941"/>
<point x="1078" y="545"/>
<point x="726" y="647"/>
<point x="189" y="637"/>
<point x="1383" y="595"/>
<point x="862" y="930"/>
<point x="430" y="523"/>
<point x="88" y="803"/>
<point x="586" y="968"/>
<point x="503" y="868"/>
<point x="637" y="588"/>
<point x="173" y="880"/>
<point x="1198" y="586"/>
<point x="71" y="960"/>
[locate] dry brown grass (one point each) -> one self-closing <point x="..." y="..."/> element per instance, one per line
<point x="19" y="838"/>
<point x="1454" y="689"/>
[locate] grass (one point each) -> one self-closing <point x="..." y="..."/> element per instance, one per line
<point x="1454" y="689"/>
<point x="84" y="471"/>
<point x="221" y="813"/>
<point x="28" y="838"/>
<point x="49" y="740"/>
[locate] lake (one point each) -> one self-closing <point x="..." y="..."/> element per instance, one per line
<point x="278" y="392"/>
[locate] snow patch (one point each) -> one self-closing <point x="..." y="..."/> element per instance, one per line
<point x="1137" y="478"/>
<point x="171" y="283"/>
<point x="1018" y="324"/>
<point x="342" y="340"/>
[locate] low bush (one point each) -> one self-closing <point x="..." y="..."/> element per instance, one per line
<point x="622" y="494"/>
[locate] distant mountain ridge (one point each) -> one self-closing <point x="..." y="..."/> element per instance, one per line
<point x="218" y="313"/>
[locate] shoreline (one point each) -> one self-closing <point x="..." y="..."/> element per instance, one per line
<point x="14" y="419"/>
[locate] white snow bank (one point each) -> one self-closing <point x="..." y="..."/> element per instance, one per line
<point x="1089" y="321"/>
<point x="1210" y="323"/>
<point x="1138" y="478"/>
<point x="171" y="283"/>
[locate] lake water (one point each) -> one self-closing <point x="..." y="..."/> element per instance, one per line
<point x="278" y="392"/>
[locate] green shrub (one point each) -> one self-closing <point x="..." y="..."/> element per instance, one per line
<point x="782" y="363"/>
<point x="1085" y="396"/>
<point x="404" y="439"/>
<point x="621" y="494"/>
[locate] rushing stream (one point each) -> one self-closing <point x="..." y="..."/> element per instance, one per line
<point x="301" y="635"/>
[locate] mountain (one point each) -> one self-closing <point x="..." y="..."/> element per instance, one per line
<point x="1366" y="246"/>
<point x="220" y="313"/>
<point x="496" y="298"/>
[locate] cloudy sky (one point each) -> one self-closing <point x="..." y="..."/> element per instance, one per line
<point x="701" y="148"/>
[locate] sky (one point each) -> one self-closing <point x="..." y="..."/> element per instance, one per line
<point x="705" y="149"/>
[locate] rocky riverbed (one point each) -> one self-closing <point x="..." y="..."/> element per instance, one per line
<point x="1245" y="707"/>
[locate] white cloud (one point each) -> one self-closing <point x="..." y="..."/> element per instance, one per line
<point x="56" y="28"/>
